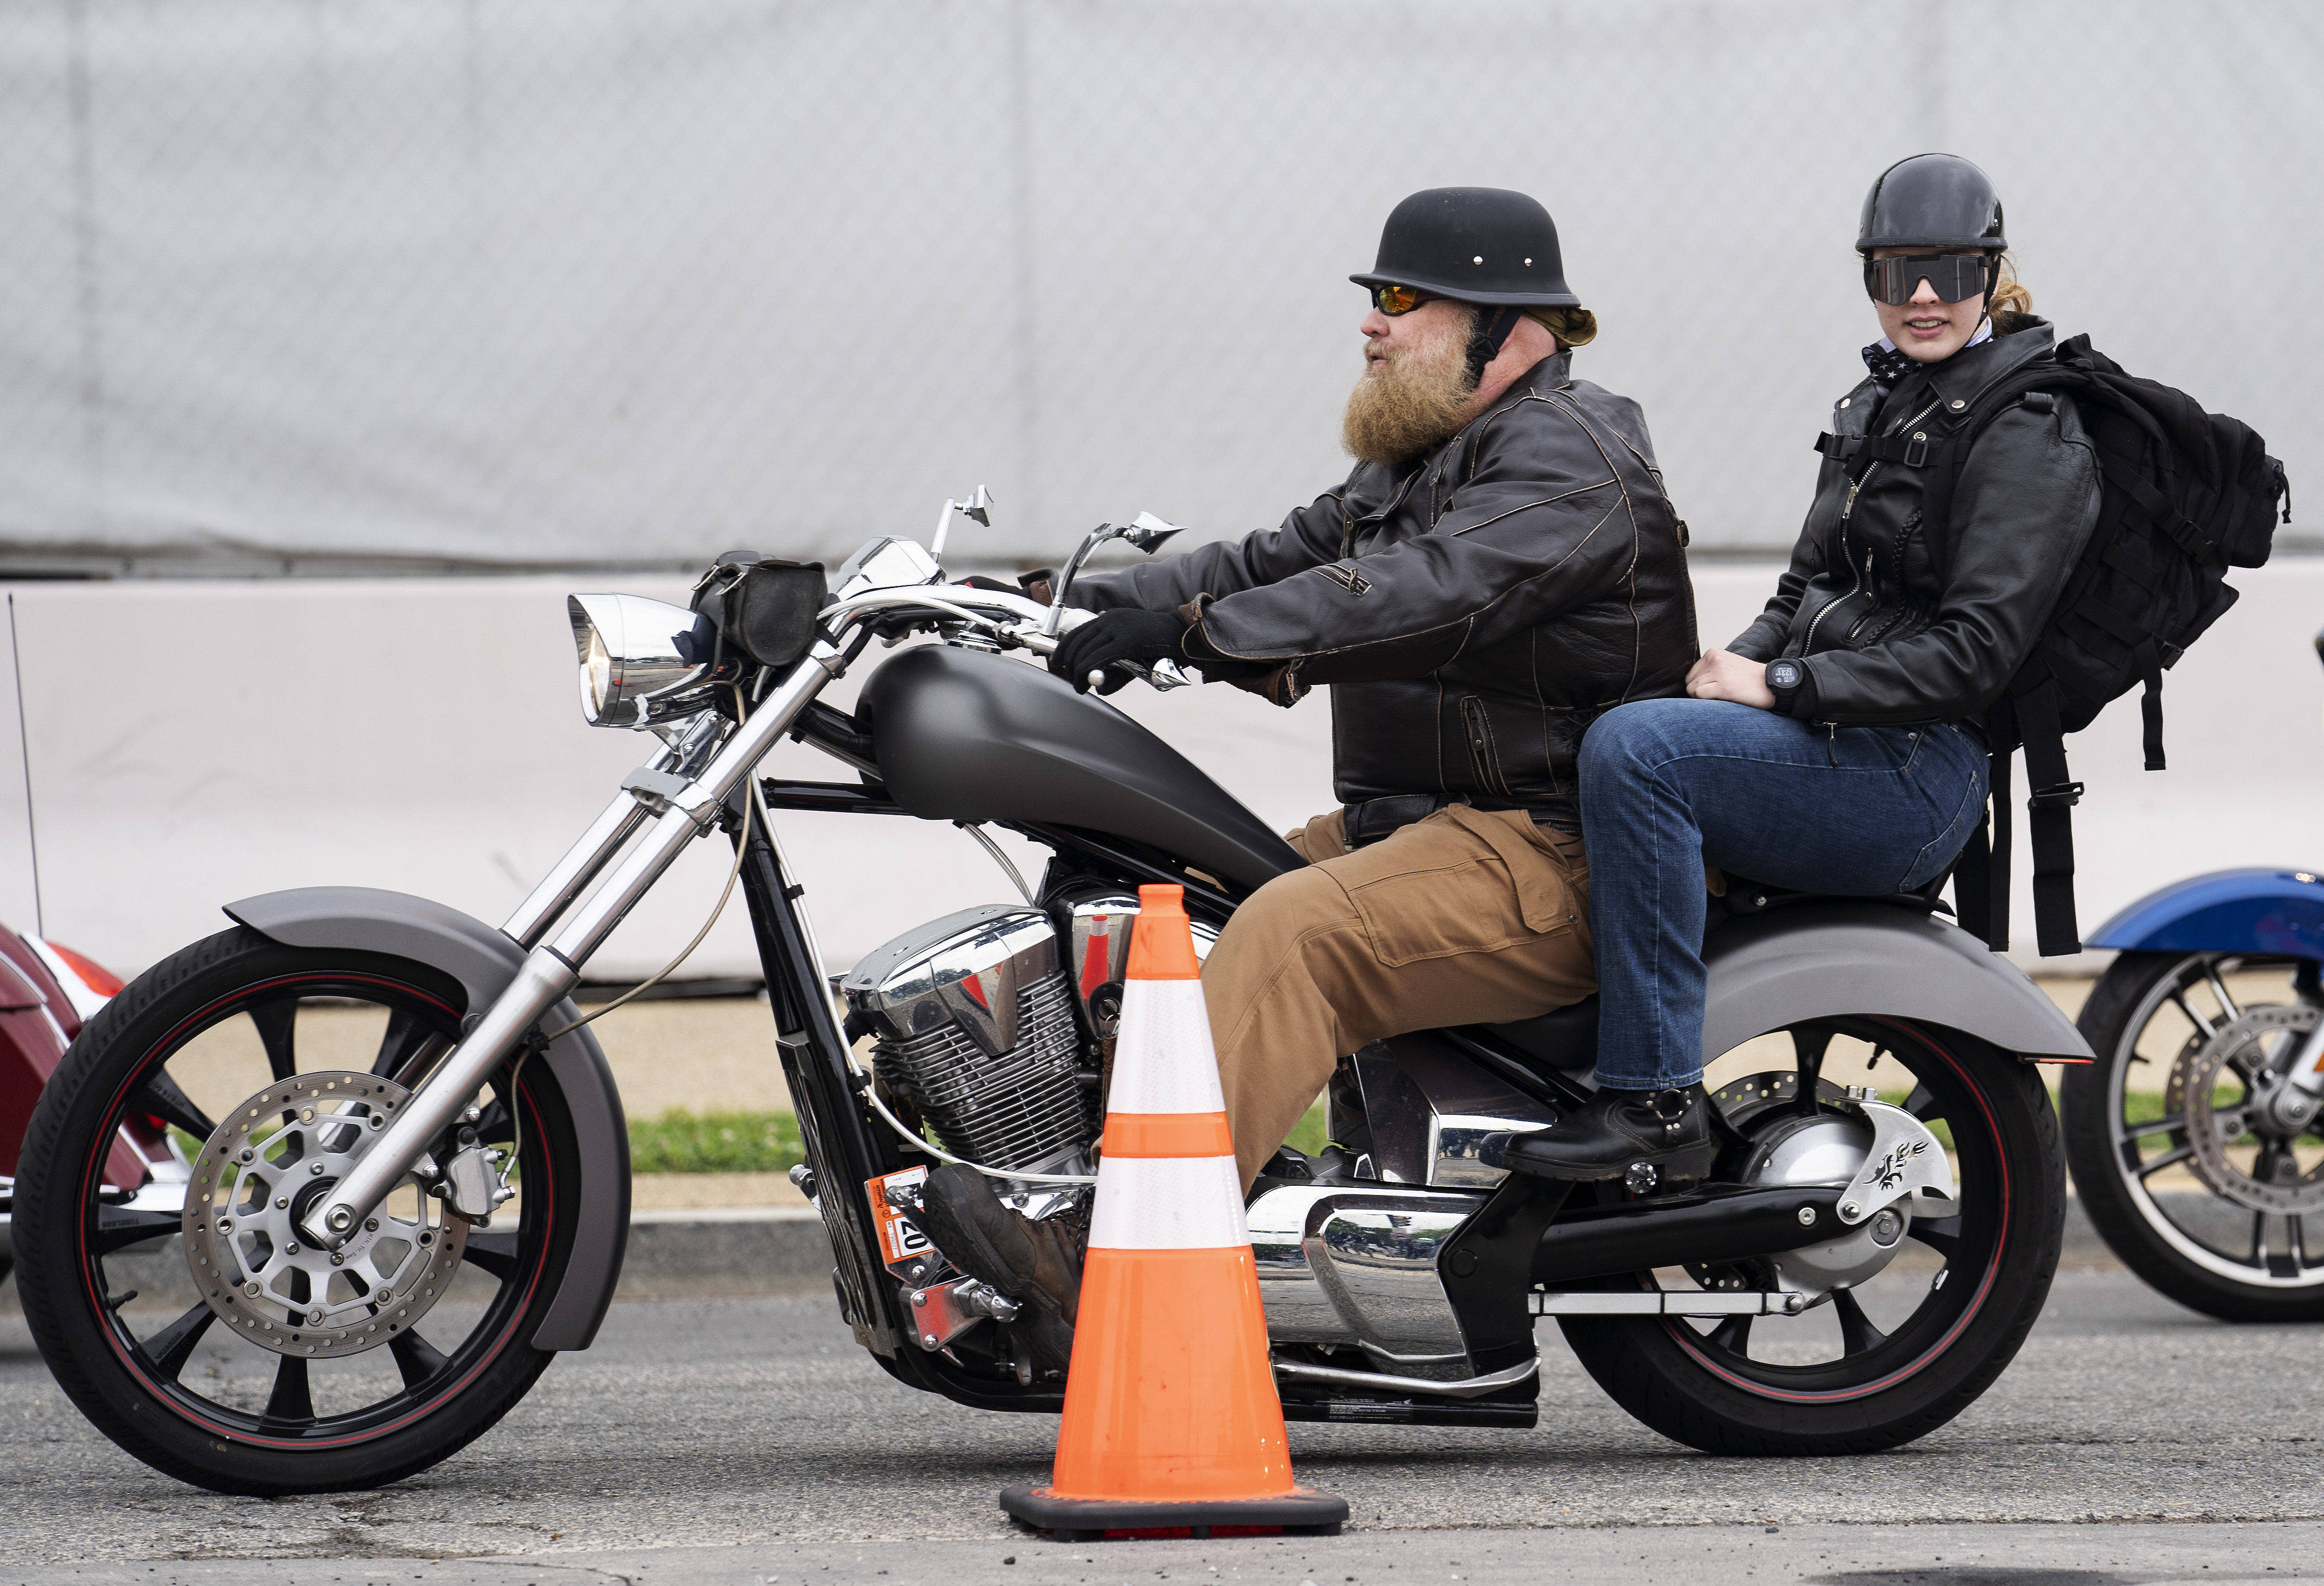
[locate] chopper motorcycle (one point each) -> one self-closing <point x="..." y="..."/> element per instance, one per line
<point x="399" y="1228"/>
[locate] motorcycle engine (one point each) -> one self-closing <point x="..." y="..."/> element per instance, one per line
<point x="971" y="1020"/>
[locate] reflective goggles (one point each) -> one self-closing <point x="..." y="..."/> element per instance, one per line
<point x="1393" y="300"/>
<point x="1955" y="276"/>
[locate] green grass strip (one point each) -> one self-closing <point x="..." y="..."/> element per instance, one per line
<point x="716" y="1142"/>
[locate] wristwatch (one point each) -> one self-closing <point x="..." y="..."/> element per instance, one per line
<point x="1784" y="679"/>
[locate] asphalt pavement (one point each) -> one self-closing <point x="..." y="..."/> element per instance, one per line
<point x="749" y="1440"/>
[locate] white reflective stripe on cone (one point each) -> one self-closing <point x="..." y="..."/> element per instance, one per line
<point x="1163" y="1062"/>
<point x="1169" y="1203"/>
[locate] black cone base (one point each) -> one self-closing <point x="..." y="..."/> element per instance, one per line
<point x="1086" y="1519"/>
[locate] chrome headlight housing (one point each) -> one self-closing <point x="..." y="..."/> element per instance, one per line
<point x="633" y="674"/>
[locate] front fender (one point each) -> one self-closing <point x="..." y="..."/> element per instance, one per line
<point x="366" y="919"/>
<point x="2272" y="911"/>
<point x="1823" y="960"/>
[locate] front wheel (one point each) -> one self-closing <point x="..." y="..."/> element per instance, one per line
<point x="249" y="1363"/>
<point x="2199" y="1161"/>
<point x="1878" y="1357"/>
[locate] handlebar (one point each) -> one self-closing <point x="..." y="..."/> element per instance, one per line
<point x="1011" y="621"/>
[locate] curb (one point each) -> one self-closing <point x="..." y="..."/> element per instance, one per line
<point x="725" y="1250"/>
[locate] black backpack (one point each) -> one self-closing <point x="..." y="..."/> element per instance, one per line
<point x="2187" y="494"/>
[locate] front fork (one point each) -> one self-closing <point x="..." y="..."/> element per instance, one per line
<point x="683" y="809"/>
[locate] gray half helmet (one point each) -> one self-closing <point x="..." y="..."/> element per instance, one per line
<point x="1931" y="201"/>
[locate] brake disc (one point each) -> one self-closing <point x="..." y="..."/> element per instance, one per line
<point x="1830" y="1147"/>
<point x="2241" y="1044"/>
<point x="273" y="1157"/>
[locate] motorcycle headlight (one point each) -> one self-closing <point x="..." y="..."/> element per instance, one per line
<point x="632" y="672"/>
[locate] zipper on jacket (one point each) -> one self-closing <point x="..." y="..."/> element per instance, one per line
<point x="1904" y="609"/>
<point x="1807" y="645"/>
<point x="1480" y="745"/>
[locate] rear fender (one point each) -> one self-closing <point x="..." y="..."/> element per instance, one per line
<point x="365" y="920"/>
<point x="1825" y="960"/>
<point x="2271" y="911"/>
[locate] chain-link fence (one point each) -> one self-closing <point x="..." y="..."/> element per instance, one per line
<point x="293" y="285"/>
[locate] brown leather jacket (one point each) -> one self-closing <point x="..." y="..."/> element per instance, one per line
<point x="1472" y="612"/>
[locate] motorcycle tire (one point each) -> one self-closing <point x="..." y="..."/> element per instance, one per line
<point x="384" y="1413"/>
<point x="2112" y="1167"/>
<point x="1703" y="1388"/>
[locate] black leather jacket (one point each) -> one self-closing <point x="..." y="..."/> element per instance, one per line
<point x="1473" y="612"/>
<point x="1879" y="638"/>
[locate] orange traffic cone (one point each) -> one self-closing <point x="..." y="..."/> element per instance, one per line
<point x="1172" y="1420"/>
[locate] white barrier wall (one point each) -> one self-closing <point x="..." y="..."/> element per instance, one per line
<point x="195" y="742"/>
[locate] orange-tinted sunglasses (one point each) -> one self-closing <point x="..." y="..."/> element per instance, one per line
<point x="1392" y="301"/>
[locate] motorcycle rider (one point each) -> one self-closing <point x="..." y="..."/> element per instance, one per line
<point x="1835" y="745"/>
<point x="1501" y="566"/>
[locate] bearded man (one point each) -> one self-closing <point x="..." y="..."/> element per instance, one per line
<point x="1501" y="568"/>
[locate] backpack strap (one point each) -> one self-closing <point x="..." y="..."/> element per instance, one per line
<point x="1975" y="871"/>
<point x="1947" y="458"/>
<point x="2049" y="800"/>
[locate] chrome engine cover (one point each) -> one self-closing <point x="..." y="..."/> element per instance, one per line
<point x="1356" y="1264"/>
<point x="1099" y="920"/>
<point x="971" y="1020"/>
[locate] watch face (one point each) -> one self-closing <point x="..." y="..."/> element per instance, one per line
<point x="1784" y="674"/>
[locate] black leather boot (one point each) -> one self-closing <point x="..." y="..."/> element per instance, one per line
<point x="1645" y="1137"/>
<point x="1038" y="1263"/>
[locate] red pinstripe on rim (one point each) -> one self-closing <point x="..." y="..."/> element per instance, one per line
<point x="1691" y="1342"/>
<point x="180" y="1399"/>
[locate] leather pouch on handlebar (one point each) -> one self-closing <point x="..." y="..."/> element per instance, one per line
<point x="763" y="607"/>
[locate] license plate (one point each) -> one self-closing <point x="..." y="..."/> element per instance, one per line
<point x="901" y="1241"/>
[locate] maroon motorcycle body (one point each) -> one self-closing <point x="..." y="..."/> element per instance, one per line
<point x="39" y="1015"/>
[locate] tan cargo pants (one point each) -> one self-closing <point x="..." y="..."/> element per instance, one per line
<point x="1469" y="917"/>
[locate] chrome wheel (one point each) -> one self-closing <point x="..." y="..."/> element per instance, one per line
<point x="2200" y="1160"/>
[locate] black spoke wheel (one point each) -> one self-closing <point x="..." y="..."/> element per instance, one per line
<point x="1904" y="1349"/>
<point x="2229" y="1222"/>
<point x="175" y="1376"/>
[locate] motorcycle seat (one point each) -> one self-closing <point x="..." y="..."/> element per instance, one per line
<point x="1565" y="1040"/>
<point x="1746" y="897"/>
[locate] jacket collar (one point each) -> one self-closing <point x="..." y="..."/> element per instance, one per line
<point x="1553" y="373"/>
<point x="1956" y="382"/>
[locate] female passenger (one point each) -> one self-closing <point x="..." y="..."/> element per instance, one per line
<point x="1835" y="745"/>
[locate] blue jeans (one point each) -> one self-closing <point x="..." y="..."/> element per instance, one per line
<point x="1668" y="785"/>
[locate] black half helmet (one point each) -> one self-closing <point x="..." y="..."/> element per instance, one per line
<point x="1477" y="244"/>
<point x="1931" y="201"/>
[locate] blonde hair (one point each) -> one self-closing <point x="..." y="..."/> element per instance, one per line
<point x="1573" y="327"/>
<point x="2011" y="301"/>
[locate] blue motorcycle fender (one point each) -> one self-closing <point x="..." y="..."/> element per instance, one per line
<point x="2277" y="912"/>
<point x="483" y="961"/>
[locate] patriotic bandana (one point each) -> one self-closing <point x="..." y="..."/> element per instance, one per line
<point x="1889" y="365"/>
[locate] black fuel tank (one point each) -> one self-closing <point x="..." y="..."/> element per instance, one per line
<point x="965" y="736"/>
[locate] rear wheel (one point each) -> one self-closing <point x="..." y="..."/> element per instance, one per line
<point x="1901" y="1353"/>
<point x="253" y="1365"/>
<point x="2198" y="1164"/>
